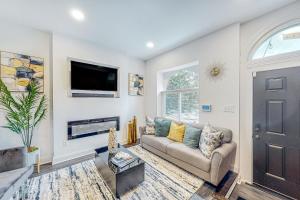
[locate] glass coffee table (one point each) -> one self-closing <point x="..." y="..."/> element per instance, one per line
<point x="119" y="180"/>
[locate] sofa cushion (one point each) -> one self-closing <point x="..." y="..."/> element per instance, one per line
<point x="150" y="126"/>
<point x="191" y="156"/>
<point x="159" y="143"/>
<point x="176" y="132"/>
<point x="227" y="133"/>
<point x="162" y="127"/>
<point x="192" y="136"/>
<point x="210" y="140"/>
<point x="11" y="159"/>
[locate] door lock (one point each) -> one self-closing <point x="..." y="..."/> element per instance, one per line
<point x="257" y="128"/>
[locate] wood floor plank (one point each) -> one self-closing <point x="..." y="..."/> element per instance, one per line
<point x="251" y="192"/>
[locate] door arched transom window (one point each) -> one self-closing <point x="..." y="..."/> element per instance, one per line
<point x="285" y="41"/>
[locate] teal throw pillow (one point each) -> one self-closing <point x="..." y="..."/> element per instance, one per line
<point x="162" y="127"/>
<point x="192" y="137"/>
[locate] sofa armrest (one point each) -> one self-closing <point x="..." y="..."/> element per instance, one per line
<point x="222" y="161"/>
<point x="12" y="159"/>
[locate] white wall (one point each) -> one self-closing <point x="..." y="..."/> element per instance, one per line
<point x="51" y="136"/>
<point x="251" y="32"/>
<point x="221" y="46"/>
<point x="66" y="108"/>
<point x="20" y="39"/>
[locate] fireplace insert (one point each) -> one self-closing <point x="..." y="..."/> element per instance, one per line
<point x="90" y="127"/>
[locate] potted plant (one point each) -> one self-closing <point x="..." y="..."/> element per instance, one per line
<point x="23" y="113"/>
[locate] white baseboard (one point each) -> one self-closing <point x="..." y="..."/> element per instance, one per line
<point x="46" y="159"/>
<point x="123" y="142"/>
<point x="63" y="158"/>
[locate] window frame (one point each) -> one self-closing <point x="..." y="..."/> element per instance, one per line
<point x="271" y="60"/>
<point x="179" y="92"/>
<point x="163" y="91"/>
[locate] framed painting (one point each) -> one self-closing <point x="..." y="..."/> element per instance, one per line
<point x="135" y="85"/>
<point x="18" y="70"/>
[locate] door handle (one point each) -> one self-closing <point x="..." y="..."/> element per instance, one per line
<point x="257" y="131"/>
<point x="257" y="128"/>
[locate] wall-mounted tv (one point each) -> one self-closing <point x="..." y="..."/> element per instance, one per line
<point x="93" y="80"/>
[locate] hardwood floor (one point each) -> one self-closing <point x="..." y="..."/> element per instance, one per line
<point x="251" y="192"/>
<point x="46" y="168"/>
<point x="206" y="192"/>
<point x="209" y="191"/>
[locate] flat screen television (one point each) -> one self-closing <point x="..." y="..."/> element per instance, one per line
<point x="91" y="79"/>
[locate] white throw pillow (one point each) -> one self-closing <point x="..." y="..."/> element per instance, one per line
<point x="210" y="139"/>
<point x="150" y="126"/>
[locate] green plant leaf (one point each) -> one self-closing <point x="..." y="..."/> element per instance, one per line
<point x="23" y="111"/>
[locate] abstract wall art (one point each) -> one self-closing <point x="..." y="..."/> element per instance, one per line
<point x="135" y="85"/>
<point x="18" y="70"/>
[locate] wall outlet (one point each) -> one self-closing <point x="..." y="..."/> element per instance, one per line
<point x="229" y="108"/>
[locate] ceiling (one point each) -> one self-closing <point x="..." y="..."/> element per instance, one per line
<point x="126" y="25"/>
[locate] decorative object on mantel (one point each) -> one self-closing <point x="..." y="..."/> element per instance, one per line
<point x="135" y="85"/>
<point x="112" y="141"/>
<point x="23" y="113"/>
<point x="215" y="70"/>
<point x="18" y="70"/>
<point x="132" y="131"/>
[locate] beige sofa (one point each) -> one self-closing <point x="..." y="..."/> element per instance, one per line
<point x="212" y="170"/>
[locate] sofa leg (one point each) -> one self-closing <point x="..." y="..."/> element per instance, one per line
<point x="38" y="165"/>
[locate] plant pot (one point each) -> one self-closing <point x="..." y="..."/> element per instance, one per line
<point x="32" y="157"/>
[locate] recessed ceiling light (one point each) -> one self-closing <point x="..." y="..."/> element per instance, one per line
<point x="77" y="14"/>
<point x="150" y="45"/>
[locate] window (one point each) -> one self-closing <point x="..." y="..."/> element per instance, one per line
<point x="284" y="41"/>
<point x="181" y="94"/>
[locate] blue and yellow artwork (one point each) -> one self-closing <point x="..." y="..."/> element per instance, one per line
<point x="135" y="85"/>
<point x="18" y="70"/>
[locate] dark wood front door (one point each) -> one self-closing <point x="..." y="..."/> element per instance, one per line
<point x="276" y="130"/>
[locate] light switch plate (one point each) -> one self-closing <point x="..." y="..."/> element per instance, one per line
<point x="229" y="108"/>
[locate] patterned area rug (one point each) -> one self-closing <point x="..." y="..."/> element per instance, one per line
<point x="163" y="180"/>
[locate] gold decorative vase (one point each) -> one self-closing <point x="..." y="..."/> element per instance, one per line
<point x="132" y="131"/>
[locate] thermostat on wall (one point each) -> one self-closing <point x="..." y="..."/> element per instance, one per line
<point x="206" y="108"/>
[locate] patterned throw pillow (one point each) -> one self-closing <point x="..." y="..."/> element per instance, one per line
<point x="192" y="136"/>
<point x="210" y="140"/>
<point x="162" y="127"/>
<point x="176" y="132"/>
<point x="150" y="126"/>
